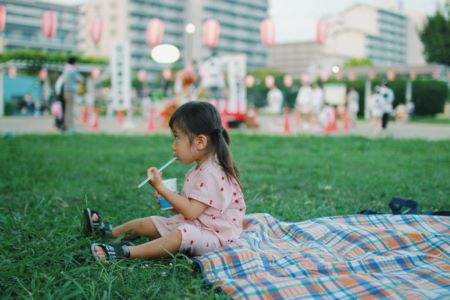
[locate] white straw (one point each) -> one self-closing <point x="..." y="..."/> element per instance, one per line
<point x="159" y="170"/>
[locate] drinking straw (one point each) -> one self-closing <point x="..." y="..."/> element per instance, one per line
<point x="159" y="170"/>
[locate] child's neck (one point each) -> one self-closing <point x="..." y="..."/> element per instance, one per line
<point x="202" y="159"/>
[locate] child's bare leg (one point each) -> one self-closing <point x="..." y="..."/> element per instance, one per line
<point x="158" y="248"/>
<point x="137" y="227"/>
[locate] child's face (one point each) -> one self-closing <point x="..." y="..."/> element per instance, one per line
<point x="183" y="148"/>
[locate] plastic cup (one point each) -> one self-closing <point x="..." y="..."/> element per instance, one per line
<point x="171" y="184"/>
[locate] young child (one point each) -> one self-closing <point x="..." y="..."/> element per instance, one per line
<point x="211" y="207"/>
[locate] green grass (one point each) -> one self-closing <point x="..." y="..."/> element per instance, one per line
<point x="46" y="181"/>
<point x="430" y="120"/>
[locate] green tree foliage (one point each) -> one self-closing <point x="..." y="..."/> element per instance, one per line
<point x="44" y="56"/>
<point x="353" y="62"/>
<point x="435" y="37"/>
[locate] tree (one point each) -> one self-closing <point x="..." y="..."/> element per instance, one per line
<point x="353" y="62"/>
<point x="435" y="37"/>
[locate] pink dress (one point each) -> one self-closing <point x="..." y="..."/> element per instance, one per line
<point x="220" y="223"/>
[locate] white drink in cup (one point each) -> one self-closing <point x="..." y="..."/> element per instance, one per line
<point x="171" y="184"/>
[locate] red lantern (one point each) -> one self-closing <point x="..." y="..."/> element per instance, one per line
<point x="211" y="33"/>
<point x="269" y="81"/>
<point x="413" y="74"/>
<point x="167" y="74"/>
<point x="48" y="24"/>
<point x="339" y="76"/>
<point x="95" y="72"/>
<point x="436" y="72"/>
<point x="267" y="31"/>
<point x="321" y="31"/>
<point x="142" y="75"/>
<point x="324" y="76"/>
<point x="372" y="74"/>
<point x="96" y="29"/>
<point x="2" y="17"/>
<point x="12" y="72"/>
<point x="155" y="32"/>
<point x="249" y="81"/>
<point x="352" y="75"/>
<point x="304" y="79"/>
<point x="287" y="80"/>
<point x="43" y="74"/>
<point x="390" y="75"/>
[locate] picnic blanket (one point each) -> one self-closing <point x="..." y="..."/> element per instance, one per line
<point x="343" y="257"/>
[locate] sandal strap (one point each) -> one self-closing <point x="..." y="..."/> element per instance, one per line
<point x="113" y="251"/>
<point x="103" y="229"/>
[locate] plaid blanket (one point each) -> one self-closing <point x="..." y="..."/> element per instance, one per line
<point x="355" y="256"/>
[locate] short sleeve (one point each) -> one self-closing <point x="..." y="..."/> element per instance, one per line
<point x="212" y="190"/>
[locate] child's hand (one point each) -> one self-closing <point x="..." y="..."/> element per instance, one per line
<point x="156" y="181"/>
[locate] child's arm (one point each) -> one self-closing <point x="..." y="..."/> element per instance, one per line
<point x="189" y="208"/>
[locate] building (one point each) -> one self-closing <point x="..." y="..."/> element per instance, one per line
<point x="23" y="26"/>
<point x="385" y="33"/>
<point x="127" y="20"/>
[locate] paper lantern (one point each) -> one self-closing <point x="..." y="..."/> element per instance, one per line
<point x="167" y="74"/>
<point x="435" y="73"/>
<point x="48" y="24"/>
<point x="413" y="74"/>
<point x="269" y="81"/>
<point x="249" y="81"/>
<point x="287" y="80"/>
<point x="2" y="17"/>
<point x="372" y="74"/>
<point x="155" y="32"/>
<point x="211" y="33"/>
<point x="339" y="76"/>
<point x="43" y="74"/>
<point x="267" y="31"/>
<point x="324" y="76"/>
<point x="390" y="75"/>
<point x="96" y="30"/>
<point x="12" y="72"/>
<point x="352" y="75"/>
<point x="142" y="75"/>
<point x="321" y="31"/>
<point x="304" y="79"/>
<point x="95" y="73"/>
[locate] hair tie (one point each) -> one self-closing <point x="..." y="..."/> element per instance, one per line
<point x="216" y="131"/>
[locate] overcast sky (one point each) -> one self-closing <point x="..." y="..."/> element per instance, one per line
<point x="295" y="20"/>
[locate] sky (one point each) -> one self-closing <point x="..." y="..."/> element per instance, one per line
<point x="295" y="20"/>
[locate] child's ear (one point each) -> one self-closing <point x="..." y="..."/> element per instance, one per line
<point x="201" y="142"/>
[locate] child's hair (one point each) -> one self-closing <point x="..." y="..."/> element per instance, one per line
<point x="194" y="118"/>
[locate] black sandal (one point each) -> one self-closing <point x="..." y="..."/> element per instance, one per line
<point x="98" y="227"/>
<point x="113" y="252"/>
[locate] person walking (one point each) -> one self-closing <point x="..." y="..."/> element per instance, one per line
<point x="387" y="99"/>
<point x="72" y="79"/>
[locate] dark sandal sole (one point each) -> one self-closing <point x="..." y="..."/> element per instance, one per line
<point x="88" y="223"/>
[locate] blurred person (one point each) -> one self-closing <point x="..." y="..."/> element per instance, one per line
<point x="72" y="80"/>
<point x="376" y="109"/>
<point x="352" y="105"/>
<point x="304" y="105"/>
<point x="316" y="104"/>
<point x="387" y="98"/>
<point x="274" y="104"/>
<point x="59" y="109"/>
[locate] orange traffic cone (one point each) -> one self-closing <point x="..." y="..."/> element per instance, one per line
<point x="297" y="118"/>
<point x="224" y="118"/>
<point x="331" y="126"/>
<point x="286" y="129"/>
<point x="346" y="121"/>
<point x="84" y="115"/>
<point x="95" y="123"/>
<point x="150" y="123"/>
<point x="120" y="117"/>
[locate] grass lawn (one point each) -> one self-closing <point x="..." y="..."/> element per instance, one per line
<point x="46" y="181"/>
